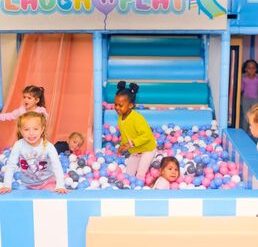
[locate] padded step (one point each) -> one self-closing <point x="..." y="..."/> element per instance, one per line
<point x="185" y="118"/>
<point x="165" y="93"/>
<point x="159" y="68"/>
<point x="172" y="231"/>
<point x="147" y="45"/>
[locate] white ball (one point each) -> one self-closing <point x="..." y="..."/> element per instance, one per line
<point x="123" y="168"/>
<point x="73" y="158"/>
<point x="168" y="131"/>
<point x="208" y="132"/>
<point x="190" y="186"/>
<point x="74" y="185"/>
<point x="86" y="169"/>
<point x="94" y="184"/>
<point x="79" y="171"/>
<point x="73" y="165"/>
<point x="103" y="180"/>
<point x="105" y="185"/>
<point x="176" y="128"/>
<point x="146" y="188"/>
<point x="101" y="160"/>
<point x="112" y="166"/>
<point x="68" y="181"/>
<point x="2" y="157"/>
<point x="164" y="127"/>
<point x="96" y="166"/>
<point x="179" y="157"/>
<point x="3" y="169"/>
<point x="236" y="179"/>
<point x="180" y="139"/>
<point x="137" y="188"/>
<point x="81" y="179"/>
<point x="188" y="139"/>
<point x="182" y="185"/>
<point x="195" y="128"/>
<point x="1" y="185"/>
<point x="112" y="129"/>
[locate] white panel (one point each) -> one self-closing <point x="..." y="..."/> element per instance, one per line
<point x="117" y="207"/>
<point x="50" y="223"/>
<point x="185" y="207"/>
<point x="247" y="207"/>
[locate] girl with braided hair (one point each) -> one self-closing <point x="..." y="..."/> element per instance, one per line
<point x="136" y="135"/>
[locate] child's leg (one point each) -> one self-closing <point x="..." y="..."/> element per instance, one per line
<point x="144" y="163"/>
<point x="132" y="164"/>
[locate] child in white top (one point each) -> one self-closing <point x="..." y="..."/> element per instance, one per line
<point x="33" y="100"/>
<point x="169" y="172"/>
<point x="37" y="158"/>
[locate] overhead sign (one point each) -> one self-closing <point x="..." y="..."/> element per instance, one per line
<point x="113" y="14"/>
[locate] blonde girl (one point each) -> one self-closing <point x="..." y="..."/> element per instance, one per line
<point x="36" y="157"/>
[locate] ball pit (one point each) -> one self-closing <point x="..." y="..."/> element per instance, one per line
<point x="203" y="162"/>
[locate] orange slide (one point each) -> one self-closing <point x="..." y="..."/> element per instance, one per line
<point x="63" y="65"/>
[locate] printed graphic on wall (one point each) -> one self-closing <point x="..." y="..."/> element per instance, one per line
<point x="113" y="14"/>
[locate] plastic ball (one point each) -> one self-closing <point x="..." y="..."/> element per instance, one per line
<point x="74" y="176"/>
<point x="68" y="181"/>
<point x="81" y="162"/>
<point x="190" y="168"/>
<point x="236" y="179"/>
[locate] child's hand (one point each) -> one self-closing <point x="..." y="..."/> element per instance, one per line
<point x="124" y="147"/>
<point x="4" y="190"/>
<point x="61" y="190"/>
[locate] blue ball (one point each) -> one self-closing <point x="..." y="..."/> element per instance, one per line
<point x="17" y="175"/>
<point x="197" y="181"/>
<point x="84" y="184"/>
<point x="213" y="185"/>
<point x="139" y="182"/>
<point x="218" y="181"/>
<point x="15" y="185"/>
<point x="226" y="180"/>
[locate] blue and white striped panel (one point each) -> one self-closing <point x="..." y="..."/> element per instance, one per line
<point x="61" y="222"/>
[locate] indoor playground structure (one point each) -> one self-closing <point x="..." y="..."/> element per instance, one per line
<point x="186" y="56"/>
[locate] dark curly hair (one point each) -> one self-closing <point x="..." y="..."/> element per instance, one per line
<point x="130" y="92"/>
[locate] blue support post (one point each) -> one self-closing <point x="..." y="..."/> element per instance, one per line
<point x="224" y="80"/>
<point x="105" y="59"/>
<point x="97" y="56"/>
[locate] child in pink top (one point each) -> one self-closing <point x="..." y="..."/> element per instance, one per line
<point x="249" y="89"/>
<point x="33" y="100"/>
<point x="169" y="172"/>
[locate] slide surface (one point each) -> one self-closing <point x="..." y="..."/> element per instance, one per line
<point x="211" y="8"/>
<point x="63" y="65"/>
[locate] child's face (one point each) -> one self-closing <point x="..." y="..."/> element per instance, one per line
<point x="250" y="69"/>
<point x="253" y="127"/>
<point x="31" y="130"/>
<point x="30" y="102"/>
<point x="170" y="172"/>
<point x="122" y="105"/>
<point x="75" y="143"/>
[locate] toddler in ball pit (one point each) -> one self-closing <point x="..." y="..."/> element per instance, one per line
<point x="169" y="172"/>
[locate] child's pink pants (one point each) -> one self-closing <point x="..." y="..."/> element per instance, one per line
<point x="138" y="164"/>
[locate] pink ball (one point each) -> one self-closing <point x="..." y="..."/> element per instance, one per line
<point x="210" y="176"/>
<point x="167" y="145"/>
<point x="90" y="161"/>
<point x="174" y="186"/>
<point x="209" y="148"/>
<point x="218" y="140"/>
<point x="188" y="179"/>
<point x="96" y="174"/>
<point x="202" y="133"/>
<point x="218" y="175"/>
<point x="233" y="172"/>
<point x="120" y="176"/>
<point x="195" y="137"/>
<point x="225" y="187"/>
<point x="231" y="166"/>
<point x="126" y="181"/>
<point x="154" y="172"/>
<point x="180" y="179"/>
<point x="149" y="180"/>
<point x="208" y="170"/>
<point x="115" y="139"/>
<point x="206" y="182"/>
<point x="189" y="155"/>
<point x="170" y="152"/>
<point x="223" y="170"/>
<point x="106" y="126"/>
<point x="108" y="138"/>
<point x="231" y="184"/>
<point x="157" y="135"/>
<point x="173" y="139"/>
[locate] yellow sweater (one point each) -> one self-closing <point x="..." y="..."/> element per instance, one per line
<point x="136" y="129"/>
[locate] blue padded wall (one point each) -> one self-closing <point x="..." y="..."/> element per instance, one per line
<point x="155" y="46"/>
<point x="165" y="93"/>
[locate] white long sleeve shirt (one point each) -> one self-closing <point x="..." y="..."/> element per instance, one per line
<point x="37" y="164"/>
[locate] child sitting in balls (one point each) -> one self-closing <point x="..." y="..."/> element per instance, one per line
<point x="72" y="145"/>
<point x="169" y="172"/>
<point x="252" y="116"/>
<point x="136" y="135"/>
